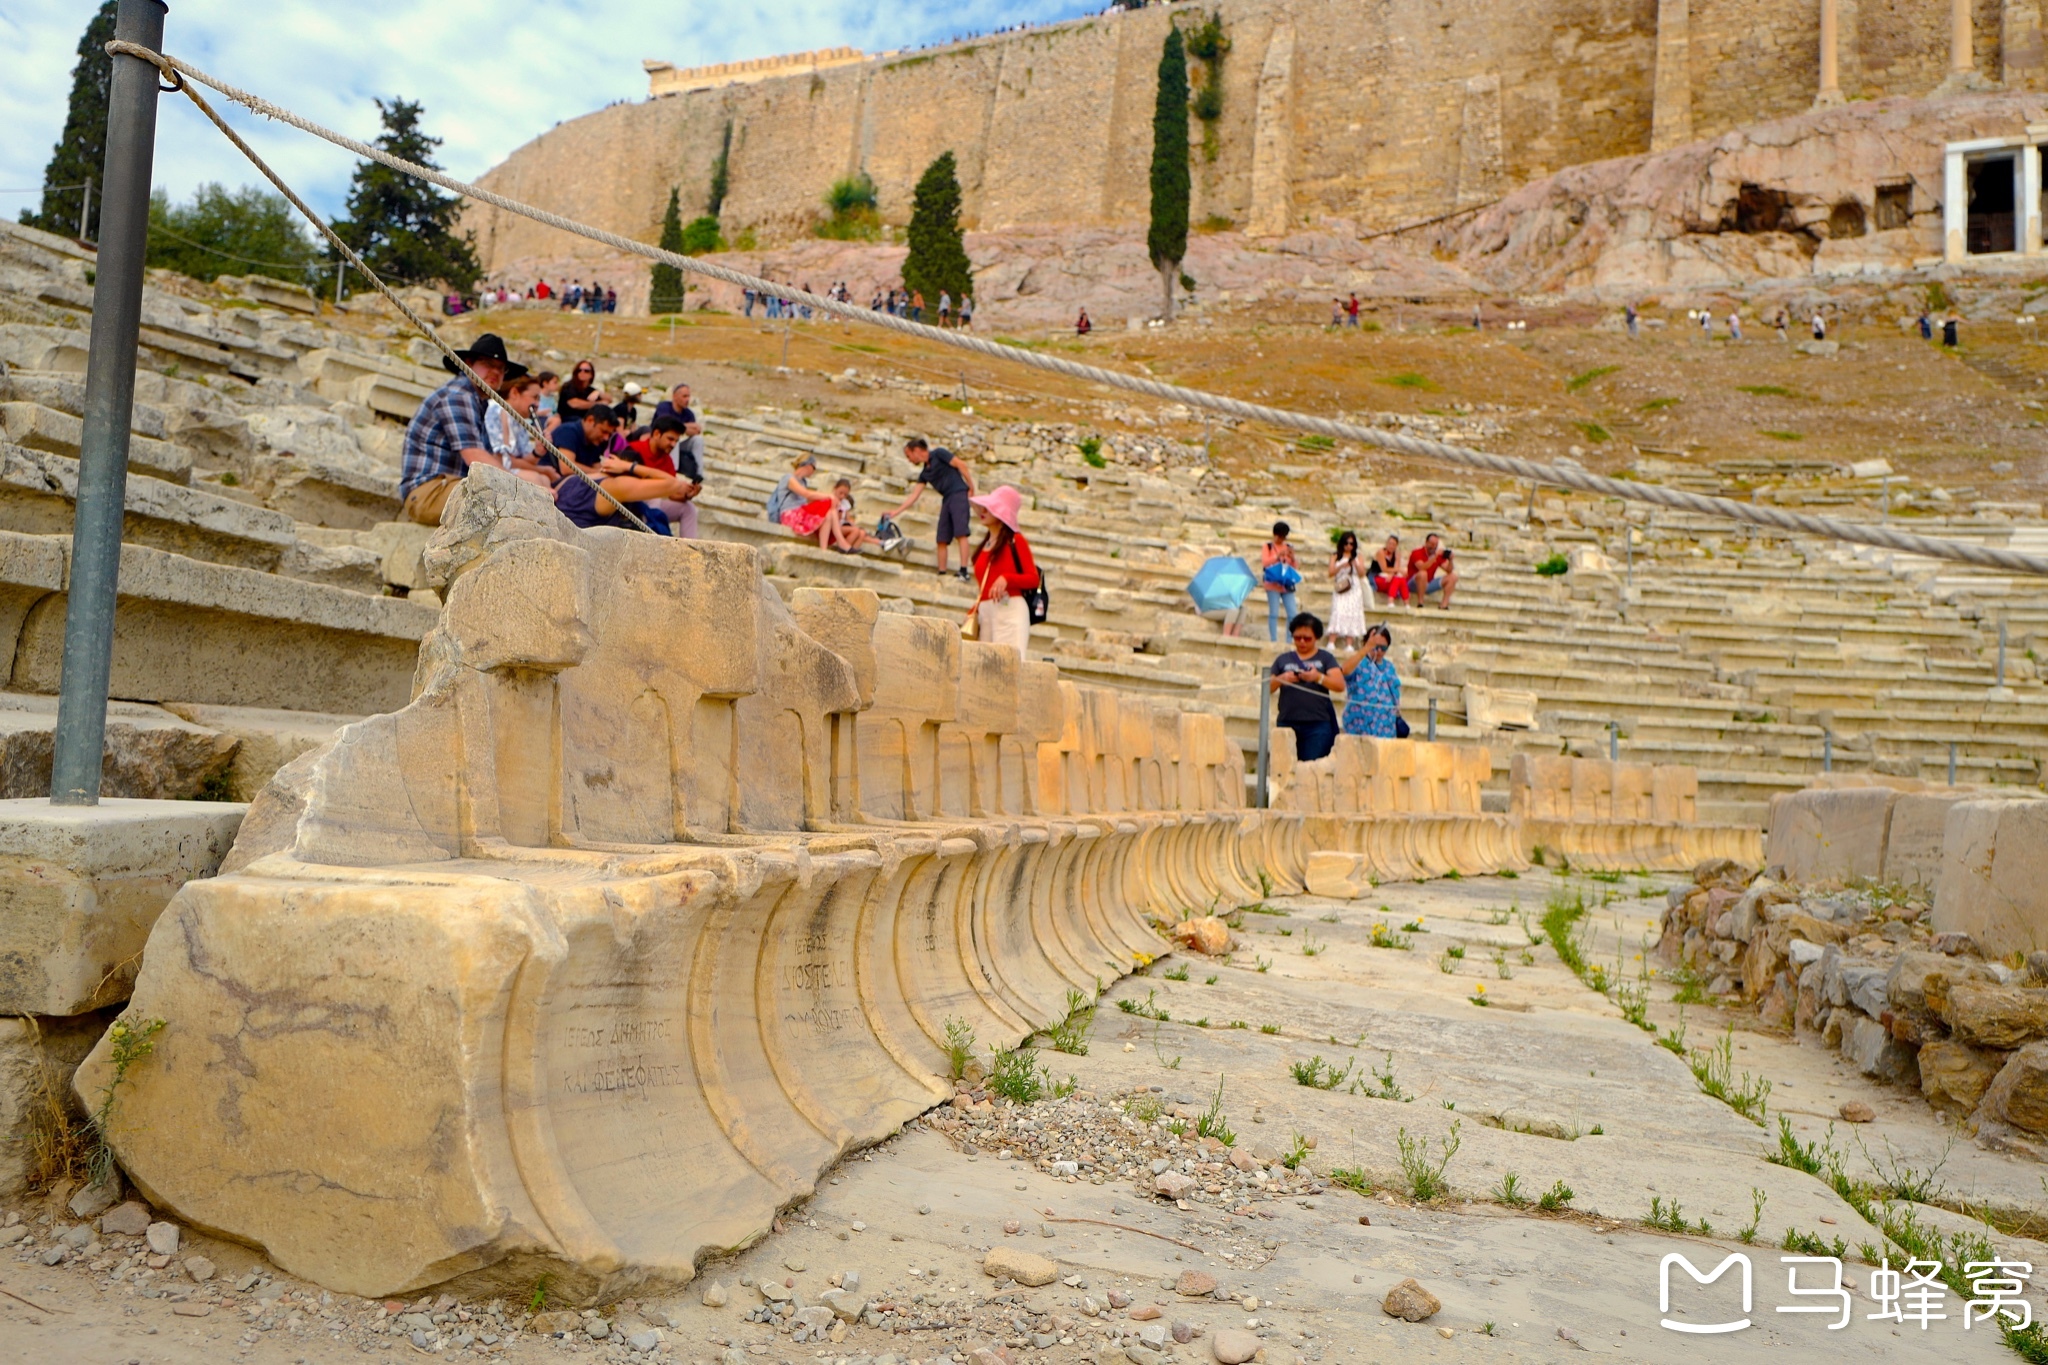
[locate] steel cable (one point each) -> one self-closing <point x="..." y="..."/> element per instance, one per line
<point x="1399" y="443"/>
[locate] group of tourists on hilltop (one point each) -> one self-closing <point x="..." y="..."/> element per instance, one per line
<point x="602" y="466"/>
<point x="1430" y="570"/>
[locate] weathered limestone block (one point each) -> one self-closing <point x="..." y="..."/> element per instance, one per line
<point x="1913" y="843"/>
<point x="150" y="753"/>
<point x="1340" y="876"/>
<point x="1867" y="1046"/>
<point x="37" y="1060"/>
<point x="41" y="428"/>
<point x="1990" y="1015"/>
<point x="263" y="740"/>
<point x="1994" y="875"/>
<point x="82" y="886"/>
<point x="594" y="981"/>
<point x="2018" y="1095"/>
<point x="1954" y="1076"/>
<point x="1829" y="835"/>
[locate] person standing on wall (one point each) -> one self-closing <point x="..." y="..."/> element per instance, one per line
<point x="1280" y="576"/>
<point x="1004" y="570"/>
<point x="1347" y="591"/>
<point x="949" y="476"/>
<point x="1302" y="680"/>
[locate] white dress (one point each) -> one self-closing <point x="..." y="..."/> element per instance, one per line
<point x="1347" y="609"/>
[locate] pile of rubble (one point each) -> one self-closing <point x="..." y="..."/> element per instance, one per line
<point x="1860" y="968"/>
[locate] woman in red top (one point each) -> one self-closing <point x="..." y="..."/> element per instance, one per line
<point x="1004" y="570"/>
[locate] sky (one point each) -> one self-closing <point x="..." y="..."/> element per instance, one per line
<point x="491" y="76"/>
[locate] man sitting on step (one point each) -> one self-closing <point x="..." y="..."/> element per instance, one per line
<point x="447" y="435"/>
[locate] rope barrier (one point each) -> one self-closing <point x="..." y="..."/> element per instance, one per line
<point x="348" y="253"/>
<point x="1400" y="443"/>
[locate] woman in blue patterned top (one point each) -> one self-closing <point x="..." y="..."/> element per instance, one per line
<point x="1372" y="689"/>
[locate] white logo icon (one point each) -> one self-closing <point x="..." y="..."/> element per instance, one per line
<point x="1702" y="1328"/>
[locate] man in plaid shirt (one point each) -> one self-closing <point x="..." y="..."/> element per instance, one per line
<point x="447" y="436"/>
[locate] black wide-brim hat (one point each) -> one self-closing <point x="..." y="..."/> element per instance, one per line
<point x="489" y="346"/>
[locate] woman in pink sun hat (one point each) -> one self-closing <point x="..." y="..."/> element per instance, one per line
<point x="1004" y="571"/>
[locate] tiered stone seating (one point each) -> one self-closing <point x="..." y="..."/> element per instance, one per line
<point x="1608" y="816"/>
<point x="1391" y="810"/>
<point x="754" y="886"/>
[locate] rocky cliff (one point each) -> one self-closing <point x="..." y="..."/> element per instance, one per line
<point x="1341" y="115"/>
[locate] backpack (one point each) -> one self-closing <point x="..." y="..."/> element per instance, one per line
<point x="779" y="501"/>
<point x="1037" y="600"/>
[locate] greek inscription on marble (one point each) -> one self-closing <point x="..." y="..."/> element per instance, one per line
<point x="632" y="1032"/>
<point x="624" y="1078"/>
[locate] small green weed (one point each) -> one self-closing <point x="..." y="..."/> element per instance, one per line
<point x="1389" y="1088"/>
<point x="1509" y="1192"/>
<point x="1556" y="1197"/>
<point x="1017" y="1077"/>
<point x="1179" y="973"/>
<point x="1580" y="381"/>
<point x="1352" y="1178"/>
<point x="1810" y="1244"/>
<point x="1672" y="1219"/>
<point x="1319" y="1074"/>
<point x="959" y="1046"/>
<point x="1212" y="1123"/>
<point x="1554" y="566"/>
<point x="1296" y="1154"/>
<point x="1425" y="1179"/>
<point x="1714" y="1070"/>
<point x="1269" y="1028"/>
<point x="1070" y="1034"/>
<point x="1757" y="1200"/>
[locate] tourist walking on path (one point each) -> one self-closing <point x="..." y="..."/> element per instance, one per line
<point x="949" y="476"/>
<point x="1630" y="313"/>
<point x="1734" y="325"/>
<point x="1372" y="689"/>
<point x="1386" y="576"/>
<point x="1301" y="681"/>
<point x="1280" y="576"/>
<point x="1951" y="327"/>
<point x="1347" y="592"/>
<point x="1926" y="326"/>
<point x="809" y="513"/>
<point x="1082" y="326"/>
<point x="446" y="436"/>
<point x="1820" y="326"/>
<point x="1004" y="571"/>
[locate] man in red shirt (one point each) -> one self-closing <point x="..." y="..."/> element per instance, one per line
<point x="1430" y="570"/>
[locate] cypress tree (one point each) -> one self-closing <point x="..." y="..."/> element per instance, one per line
<point x="404" y="228"/>
<point x="938" y="255"/>
<point x="1168" y="238"/>
<point x="721" y="176"/>
<point x="81" y="151"/>
<point x="665" y="291"/>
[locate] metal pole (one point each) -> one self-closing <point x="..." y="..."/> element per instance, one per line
<point x="2001" y="653"/>
<point x="340" y="269"/>
<point x="1614" y="741"/>
<point x="1951" y="763"/>
<point x="1265" y="728"/>
<point x="1432" y="720"/>
<point x="1628" y="538"/>
<point x="85" y="212"/>
<point x="109" y="405"/>
<point x="1827" y="751"/>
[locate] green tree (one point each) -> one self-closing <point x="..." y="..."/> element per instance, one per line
<point x="938" y="256"/>
<point x="666" y="288"/>
<point x="1167" y="240"/>
<point x="248" y="231"/>
<point x="854" y="216"/>
<point x="81" y="150"/>
<point x="721" y="175"/>
<point x="403" y="227"/>
<point x="701" y="237"/>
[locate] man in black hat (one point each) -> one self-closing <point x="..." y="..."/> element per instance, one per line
<point x="447" y="433"/>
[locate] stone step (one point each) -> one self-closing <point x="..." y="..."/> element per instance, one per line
<point x="40" y="428"/>
<point x="189" y="630"/>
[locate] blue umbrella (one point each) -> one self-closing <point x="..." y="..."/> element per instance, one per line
<point x="1222" y="584"/>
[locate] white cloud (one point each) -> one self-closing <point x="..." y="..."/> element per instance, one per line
<point x="491" y="76"/>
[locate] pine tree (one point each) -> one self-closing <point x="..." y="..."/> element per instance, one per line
<point x="81" y="151"/>
<point x="937" y="262"/>
<point x="1168" y="238"/>
<point x="403" y="227"/>
<point x="665" y="291"/>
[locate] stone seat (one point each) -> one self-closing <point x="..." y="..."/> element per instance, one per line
<point x="189" y="630"/>
<point x="59" y="433"/>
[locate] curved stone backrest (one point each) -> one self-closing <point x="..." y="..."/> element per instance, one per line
<point x="917" y="684"/>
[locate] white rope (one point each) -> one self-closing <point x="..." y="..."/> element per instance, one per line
<point x="1400" y="443"/>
